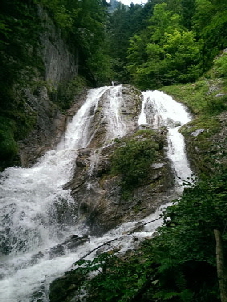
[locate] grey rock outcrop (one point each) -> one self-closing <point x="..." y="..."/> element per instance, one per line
<point x="60" y="64"/>
<point x="99" y="197"/>
<point x="50" y="123"/>
<point x="60" y="67"/>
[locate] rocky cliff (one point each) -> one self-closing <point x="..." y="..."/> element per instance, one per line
<point x="42" y="95"/>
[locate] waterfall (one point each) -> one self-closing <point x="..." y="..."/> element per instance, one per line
<point x="160" y="110"/>
<point x="79" y="132"/>
<point x="38" y="214"/>
<point x="116" y="124"/>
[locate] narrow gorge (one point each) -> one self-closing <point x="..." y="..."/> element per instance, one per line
<point x="74" y="201"/>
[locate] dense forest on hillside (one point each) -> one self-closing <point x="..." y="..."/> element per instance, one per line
<point x="176" y="45"/>
<point x="167" y="42"/>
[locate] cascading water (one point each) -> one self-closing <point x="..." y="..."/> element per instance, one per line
<point x="37" y="214"/>
<point x="160" y="110"/>
<point x="116" y="125"/>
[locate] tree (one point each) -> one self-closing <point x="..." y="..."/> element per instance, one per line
<point x="123" y="24"/>
<point x="221" y="267"/>
<point x="188" y="237"/>
<point x="171" y="53"/>
<point x="182" y="55"/>
<point x="188" y="11"/>
<point x="210" y="25"/>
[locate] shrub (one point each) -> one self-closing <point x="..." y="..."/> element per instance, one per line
<point x="220" y="66"/>
<point x="133" y="160"/>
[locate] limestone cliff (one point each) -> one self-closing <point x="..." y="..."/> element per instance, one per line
<point x="41" y="95"/>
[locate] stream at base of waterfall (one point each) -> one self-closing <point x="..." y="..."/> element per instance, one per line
<point x="30" y="231"/>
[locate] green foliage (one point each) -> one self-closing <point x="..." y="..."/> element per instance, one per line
<point x="182" y="56"/>
<point x="187" y="240"/>
<point x="200" y="97"/>
<point x="216" y="105"/>
<point x="67" y="91"/>
<point x="179" y="42"/>
<point x="19" y="36"/>
<point x="113" y="278"/>
<point x="133" y="159"/>
<point x="188" y="11"/>
<point x="210" y="22"/>
<point x="211" y="126"/>
<point x="177" y="265"/>
<point x="220" y="66"/>
<point x="171" y="52"/>
<point x="119" y="281"/>
<point x="123" y="24"/>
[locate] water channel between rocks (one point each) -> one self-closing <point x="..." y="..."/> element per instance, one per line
<point x="29" y="197"/>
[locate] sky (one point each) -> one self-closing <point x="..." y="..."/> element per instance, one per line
<point x="127" y="2"/>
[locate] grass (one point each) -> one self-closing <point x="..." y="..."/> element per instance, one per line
<point x="200" y="97"/>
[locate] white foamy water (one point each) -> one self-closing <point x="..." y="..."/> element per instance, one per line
<point x="115" y="123"/>
<point x="79" y="133"/>
<point x="160" y="110"/>
<point x="37" y="214"/>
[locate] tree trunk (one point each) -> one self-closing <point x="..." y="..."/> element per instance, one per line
<point x="221" y="269"/>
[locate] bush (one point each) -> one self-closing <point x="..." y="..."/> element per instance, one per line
<point x="133" y="160"/>
<point x="67" y="91"/>
<point x="220" y="66"/>
<point x="216" y="105"/>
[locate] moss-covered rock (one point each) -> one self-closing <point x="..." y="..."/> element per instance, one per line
<point x="206" y="143"/>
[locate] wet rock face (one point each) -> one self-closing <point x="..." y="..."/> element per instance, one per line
<point x="50" y="123"/>
<point x="59" y="68"/>
<point x="59" y="62"/>
<point x="98" y="192"/>
<point x="129" y="111"/>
